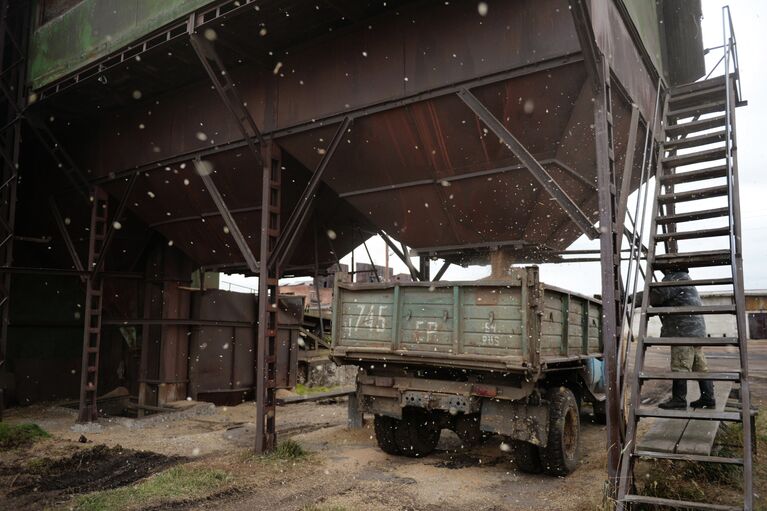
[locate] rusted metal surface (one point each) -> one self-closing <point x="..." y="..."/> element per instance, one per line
<point x="222" y="358"/>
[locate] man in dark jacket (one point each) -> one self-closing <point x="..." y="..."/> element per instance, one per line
<point x="683" y="358"/>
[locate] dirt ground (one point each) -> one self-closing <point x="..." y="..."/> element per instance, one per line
<point x="344" y="470"/>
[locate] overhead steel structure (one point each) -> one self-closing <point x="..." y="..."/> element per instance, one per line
<point x="222" y="127"/>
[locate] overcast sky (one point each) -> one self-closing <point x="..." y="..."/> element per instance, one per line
<point x="749" y="17"/>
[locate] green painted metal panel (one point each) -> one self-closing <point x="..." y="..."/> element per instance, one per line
<point x="465" y="320"/>
<point x="95" y="28"/>
<point x="646" y="18"/>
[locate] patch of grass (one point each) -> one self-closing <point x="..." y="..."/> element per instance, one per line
<point x="175" y="484"/>
<point x="288" y="450"/>
<point x="303" y="390"/>
<point x="39" y="465"/>
<point x="13" y="436"/>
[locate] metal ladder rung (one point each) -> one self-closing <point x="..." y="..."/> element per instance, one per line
<point x="711" y="83"/>
<point x="692" y="216"/>
<point x="696" y="414"/>
<point x="693" y="259"/>
<point x="703" y="193"/>
<point x="679" y="504"/>
<point x="691" y="341"/>
<point x="695" y="126"/>
<point x="698" y="157"/>
<point x="684" y="143"/>
<point x="687" y="457"/>
<point x="696" y="234"/>
<point x="691" y="176"/>
<point x="691" y="309"/>
<point x="693" y="282"/>
<point x="692" y="111"/>
<point x="688" y="375"/>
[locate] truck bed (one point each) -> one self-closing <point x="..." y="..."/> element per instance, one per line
<point x="514" y="325"/>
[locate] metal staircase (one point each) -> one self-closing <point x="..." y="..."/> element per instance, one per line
<point x="700" y="119"/>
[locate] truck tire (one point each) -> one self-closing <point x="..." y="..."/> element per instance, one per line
<point x="418" y="434"/>
<point x="560" y="456"/>
<point x="526" y="456"/>
<point x="467" y="429"/>
<point x="385" y="429"/>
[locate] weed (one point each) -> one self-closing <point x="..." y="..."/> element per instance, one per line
<point x="288" y="450"/>
<point x="175" y="484"/>
<point x="13" y="436"/>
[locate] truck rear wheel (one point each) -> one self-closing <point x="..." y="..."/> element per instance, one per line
<point x="526" y="457"/>
<point x="385" y="429"/>
<point x="468" y="430"/>
<point x="418" y="434"/>
<point x="560" y="456"/>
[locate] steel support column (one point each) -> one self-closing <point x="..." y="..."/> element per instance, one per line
<point x="611" y="284"/>
<point x="268" y="289"/>
<point x="425" y="268"/>
<point x="528" y="160"/>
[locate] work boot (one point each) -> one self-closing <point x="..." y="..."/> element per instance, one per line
<point x="678" y="399"/>
<point x="707" y="399"/>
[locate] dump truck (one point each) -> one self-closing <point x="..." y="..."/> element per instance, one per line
<point x="511" y="357"/>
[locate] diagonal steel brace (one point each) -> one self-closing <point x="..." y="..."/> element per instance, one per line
<point x="529" y="161"/>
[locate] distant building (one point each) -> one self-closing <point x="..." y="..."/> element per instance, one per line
<point x="365" y="272"/>
<point x="308" y="290"/>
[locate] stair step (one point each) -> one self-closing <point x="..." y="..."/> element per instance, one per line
<point x="697" y="234"/>
<point x="686" y="375"/>
<point x="711" y="83"/>
<point x="699" y="109"/>
<point x="702" y="193"/>
<point x="91" y="369"/>
<point x="692" y="259"/>
<point x="707" y="95"/>
<point x="692" y="216"/>
<point x="691" y="309"/>
<point x="687" y="457"/>
<point x="679" y="504"/>
<point x="709" y="415"/>
<point x="727" y="281"/>
<point x="695" y="126"/>
<point x="691" y="341"/>
<point x="688" y="159"/>
<point x="92" y="350"/>
<point x="694" y="175"/>
<point x="705" y="139"/>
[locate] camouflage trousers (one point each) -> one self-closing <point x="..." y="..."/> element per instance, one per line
<point x="688" y="358"/>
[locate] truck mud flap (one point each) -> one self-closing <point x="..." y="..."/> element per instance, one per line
<point x="516" y="420"/>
